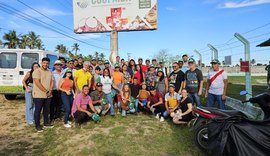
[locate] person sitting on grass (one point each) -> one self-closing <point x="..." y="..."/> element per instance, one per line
<point x="80" y="110"/>
<point x="125" y="100"/>
<point x="156" y="103"/>
<point x="143" y="98"/>
<point x="99" y="99"/>
<point x="185" y="115"/>
<point x="172" y="101"/>
<point x="135" y="89"/>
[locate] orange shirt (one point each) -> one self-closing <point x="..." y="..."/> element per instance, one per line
<point x="118" y="78"/>
<point x="67" y="84"/>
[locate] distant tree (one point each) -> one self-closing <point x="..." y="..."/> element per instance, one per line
<point x="96" y="55"/>
<point x="39" y="44"/>
<point x="12" y="39"/>
<point x="259" y="64"/>
<point x="24" y="42"/>
<point x="164" y="56"/>
<point x="253" y="61"/>
<point x="61" y="49"/>
<point x="1" y="43"/>
<point x="241" y="60"/>
<point x="102" y="56"/>
<point x="75" y="48"/>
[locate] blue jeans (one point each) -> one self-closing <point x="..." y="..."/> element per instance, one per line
<point x="42" y="103"/>
<point x="29" y="107"/>
<point x="67" y="102"/>
<point x="195" y="98"/>
<point x="166" y="113"/>
<point x="109" y="98"/>
<point x="215" y="98"/>
<point x="136" y="105"/>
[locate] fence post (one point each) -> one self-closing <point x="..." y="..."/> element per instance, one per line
<point x="247" y="58"/>
<point x="214" y="51"/>
<point x="200" y="58"/>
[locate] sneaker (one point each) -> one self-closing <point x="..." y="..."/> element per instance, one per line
<point x="77" y="125"/>
<point x="161" y="119"/>
<point x="39" y="129"/>
<point x="30" y="123"/>
<point x="48" y="126"/>
<point x="157" y="116"/>
<point x="69" y="122"/>
<point x="67" y="125"/>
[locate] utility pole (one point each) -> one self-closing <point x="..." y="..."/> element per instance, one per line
<point x="114" y="46"/>
<point x="128" y="54"/>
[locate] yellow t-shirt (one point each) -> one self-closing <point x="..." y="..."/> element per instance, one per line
<point x="172" y="100"/>
<point x="83" y="78"/>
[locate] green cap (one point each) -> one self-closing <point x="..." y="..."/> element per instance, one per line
<point x="68" y="71"/>
<point x="191" y="60"/>
<point x="215" y="61"/>
<point x="143" y="83"/>
<point x="151" y="66"/>
<point x="181" y="60"/>
<point x="106" y="62"/>
<point x="116" y="65"/>
<point x="159" y="70"/>
<point x="95" y="117"/>
<point x="171" y="85"/>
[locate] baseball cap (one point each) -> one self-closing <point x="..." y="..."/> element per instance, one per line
<point x="159" y="70"/>
<point x="116" y="65"/>
<point x="147" y="60"/>
<point x="106" y="62"/>
<point x="191" y="60"/>
<point x="58" y="62"/>
<point x="143" y="83"/>
<point x="68" y="71"/>
<point x="93" y="59"/>
<point x="99" y="84"/>
<point x="140" y="59"/>
<point x="171" y="85"/>
<point x="185" y="55"/>
<point x="151" y="66"/>
<point x="181" y="60"/>
<point x="215" y="61"/>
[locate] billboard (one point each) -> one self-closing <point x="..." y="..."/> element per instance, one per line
<point x="107" y="15"/>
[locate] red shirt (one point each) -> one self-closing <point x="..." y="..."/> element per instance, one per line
<point x="144" y="68"/>
<point x="138" y="76"/>
<point x="155" y="98"/>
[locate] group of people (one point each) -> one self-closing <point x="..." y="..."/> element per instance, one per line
<point x="83" y="89"/>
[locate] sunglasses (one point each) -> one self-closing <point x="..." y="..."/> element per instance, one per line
<point x="58" y="64"/>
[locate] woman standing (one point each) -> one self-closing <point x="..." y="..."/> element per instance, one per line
<point x="139" y="74"/>
<point x="161" y="82"/>
<point x="28" y="86"/>
<point x="66" y="86"/>
<point x="132" y="67"/>
<point x="107" y="82"/>
<point x="127" y="76"/>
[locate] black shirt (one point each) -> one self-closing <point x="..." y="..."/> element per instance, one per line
<point x="79" y="66"/>
<point x="184" y="106"/>
<point x="134" y="90"/>
<point x="179" y="77"/>
<point x="193" y="79"/>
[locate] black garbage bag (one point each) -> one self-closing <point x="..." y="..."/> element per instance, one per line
<point x="238" y="136"/>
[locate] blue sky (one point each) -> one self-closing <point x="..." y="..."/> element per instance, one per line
<point x="183" y="25"/>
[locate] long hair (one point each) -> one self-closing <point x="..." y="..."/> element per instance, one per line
<point x="140" y="71"/>
<point x="129" y="90"/>
<point x="162" y="76"/>
<point x="108" y="72"/>
<point x="129" y="64"/>
<point x="30" y="79"/>
<point x="71" y="77"/>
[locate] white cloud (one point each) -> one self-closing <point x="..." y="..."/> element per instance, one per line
<point x="170" y="9"/>
<point x="244" y="3"/>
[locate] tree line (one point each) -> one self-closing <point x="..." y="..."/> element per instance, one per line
<point x="12" y="40"/>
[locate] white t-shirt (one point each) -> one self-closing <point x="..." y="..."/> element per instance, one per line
<point x="107" y="84"/>
<point x="217" y="86"/>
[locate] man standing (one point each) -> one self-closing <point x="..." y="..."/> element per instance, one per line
<point x="163" y="68"/>
<point x="42" y="93"/>
<point x="216" y="86"/>
<point x="177" y="78"/>
<point x="70" y="66"/>
<point x="194" y="82"/>
<point x="144" y="67"/>
<point x="94" y="64"/>
<point x="56" y="103"/>
<point x="107" y="66"/>
<point x="185" y="66"/>
<point x="147" y="63"/>
<point x="80" y="110"/>
<point x="154" y="62"/>
<point x="100" y="64"/>
<point x="98" y="97"/>
<point x="82" y="77"/>
<point x="267" y="68"/>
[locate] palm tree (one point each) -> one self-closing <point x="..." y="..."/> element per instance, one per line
<point x="71" y="55"/>
<point x="75" y="48"/>
<point x="24" y="42"/>
<point x="1" y="43"/>
<point x="33" y="39"/>
<point x="61" y="49"/>
<point x="96" y="54"/>
<point x="102" y="56"/>
<point x="39" y="44"/>
<point x="12" y="39"/>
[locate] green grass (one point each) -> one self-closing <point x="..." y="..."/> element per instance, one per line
<point x="12" y="89"/>
<point x="241" y="79"/>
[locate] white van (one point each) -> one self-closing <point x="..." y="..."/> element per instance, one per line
<point x="15" y="63"/>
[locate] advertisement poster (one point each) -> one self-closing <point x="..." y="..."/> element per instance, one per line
<point x="107" y="15"/>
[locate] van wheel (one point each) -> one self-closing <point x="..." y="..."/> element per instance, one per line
<point x="10" y="96"/>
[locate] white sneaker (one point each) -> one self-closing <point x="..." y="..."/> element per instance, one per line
<point x="69" y="122"/>
<point x="161" y="119"/>
<point x="67" y="125"/>
<point x="157" y="116"/>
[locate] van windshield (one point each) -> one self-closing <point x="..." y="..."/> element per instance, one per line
<point x="8" y="60"/>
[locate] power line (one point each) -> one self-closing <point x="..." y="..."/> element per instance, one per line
<point x="26" y="17"/>
<point x="52" y="19"/>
